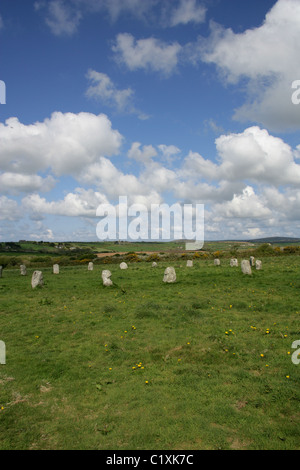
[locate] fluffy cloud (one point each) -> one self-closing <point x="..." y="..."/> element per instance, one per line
<point x="102" y="88"/>
<point x="256" y="176"/>
<point x="14" y="183"/>
<point x="61" y="17"/>
<point x="81" y="203"/>
<point x="65" y="143"/>
<point x="187" y="12"/>
<point x="149" y="54"/>
<point x="257" y="156"/>
<point x="245" y="205"/>
<point x="266" y="56"/>
<point x="145" y="155"/>
<point x="9" y="209"/>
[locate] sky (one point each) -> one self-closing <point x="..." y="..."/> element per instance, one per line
<point x="161" y="101"/>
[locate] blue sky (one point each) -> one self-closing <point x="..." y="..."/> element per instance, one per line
<point x="160" y="100"/>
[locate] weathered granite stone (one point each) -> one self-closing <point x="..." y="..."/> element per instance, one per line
<point x="234" y="262"/>
<point x="37" y="279"/>
<point x="246" y="268"/>
<point x="123" y="266"/>
<point x="217" y="262"/>
<point x="23" y="270"/>
<point x="55" y="269"/>
<point x="154" y="264"/>
<point x="189" y="263"/>
<point x="169" y="275"/>
<point x="252" y="260"/>
<point x="90" y="266"/>
<point x="106" y="278"/>
<point x="258" y="264"/>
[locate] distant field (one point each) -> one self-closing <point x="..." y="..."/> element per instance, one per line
<point x="205" y="363"/>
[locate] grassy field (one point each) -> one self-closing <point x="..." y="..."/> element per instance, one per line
<point x="205" y="363"/>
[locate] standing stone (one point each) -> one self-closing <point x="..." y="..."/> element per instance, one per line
<point x="123" y="266"/>
<point x="37" y="279"/>
<point x="106" y="278"/>
<point x="246" y="268"/>
<point x="1" y="271"/>
<point x="217" y="262"/>
<point x="252" y="260"/>
<point x="90" y="266"/>
<point x="55" y="269"/>
<point x="234" y="262"/>
<point x="189" y="263"/>
<point x="258" y="264"/>
<point x="23" y="270"/>
<point x="169" y="275"/>
<point x="154" y="264"/>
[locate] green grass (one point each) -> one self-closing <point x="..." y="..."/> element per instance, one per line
<point x="144" y="365"/>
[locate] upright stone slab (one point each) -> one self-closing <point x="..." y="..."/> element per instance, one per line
<point x="106" y="278"/>
<point x="90" y="266"/>
<point x="246" y="268"/>
<point x="23" y="270"/>
<point x="55" y="269"/>
<point x="189" y="263"/>
<point x="252" y="260"/>
<point x="234" y="262"/>
<point x="123" y="266"/>
<point x="258" y="264"/>
<point x="37" y="279"/>
<point x="217" y="262"/>
<point x="169" y="275"/>
<point x="1" y="268"/>
<point x="154" y="264"/>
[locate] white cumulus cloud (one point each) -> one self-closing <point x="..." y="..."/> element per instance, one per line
<point x="65" y="143"/>
<point x="150" y="53"/>
<point x="268" y="57"/>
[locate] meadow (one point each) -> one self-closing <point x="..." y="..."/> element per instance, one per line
<point x="204" y="363"/>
